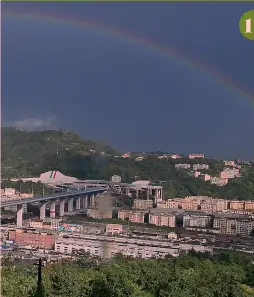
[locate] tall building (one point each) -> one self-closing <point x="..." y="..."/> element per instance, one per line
<point x="162" y="218"/>
<point x="197" y="220"/>
<point x="233" y="224"/>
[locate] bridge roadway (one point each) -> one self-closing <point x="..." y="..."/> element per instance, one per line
<point x="70" y="194"/>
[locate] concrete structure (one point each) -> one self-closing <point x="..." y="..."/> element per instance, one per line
<point x="142" y="204"/>
<point x="197" y="220"/>
<point x="50" y="177"/>
<point x="68" y="196"/>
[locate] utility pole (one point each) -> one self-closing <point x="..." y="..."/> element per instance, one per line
<point x="39" y="289"/>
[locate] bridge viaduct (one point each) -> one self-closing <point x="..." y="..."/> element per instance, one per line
<point x="81" y="198"/>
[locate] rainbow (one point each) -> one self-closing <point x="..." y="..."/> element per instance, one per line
<point x="171" y="52"/>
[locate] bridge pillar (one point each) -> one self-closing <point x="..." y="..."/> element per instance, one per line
<point x="85" y="201"/>
<point x="62" y="204"/>
<point x="43" y="211"/>
<point x="78" y="203"/>
<point x="92" y="200"/>
<point x="127" y="191"/>
<point x="137" y="194"/>
<point x="19" y="216"/>
<point x="53" y="210"/>
<point x="70" y="205"/>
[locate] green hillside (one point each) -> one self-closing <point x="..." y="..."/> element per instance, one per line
<point x="31" y="153"/>
<point x="27" y="153"/>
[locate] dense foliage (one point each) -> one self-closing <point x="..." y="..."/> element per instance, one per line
<point x="31" y="153"/>
<point x="192" y="275"/>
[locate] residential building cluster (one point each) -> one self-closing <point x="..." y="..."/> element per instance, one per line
<point x="192" y="212"/>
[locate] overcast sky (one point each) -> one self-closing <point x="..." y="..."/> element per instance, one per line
<point x="58" y="75"/>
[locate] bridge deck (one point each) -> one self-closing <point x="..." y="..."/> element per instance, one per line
<point x="52" y="197"/>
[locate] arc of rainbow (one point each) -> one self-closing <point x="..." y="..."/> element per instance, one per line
<point x="170" y="52"/>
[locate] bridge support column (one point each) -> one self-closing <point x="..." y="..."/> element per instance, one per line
<point x="148" y="194"/>
<point x="85" y="201"/>
<point x="70" y="205"/>
<point x="137" y="194"/>
<point x="19" y="216"/>
<point x="53" y="210"/>
<point x="61" y="211"/>
<point x="92" y="200"/>
<point x="43" y="211"/>
<point x="78" y="203"/>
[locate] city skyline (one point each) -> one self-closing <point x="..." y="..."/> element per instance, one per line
<point x="135" y="93"/>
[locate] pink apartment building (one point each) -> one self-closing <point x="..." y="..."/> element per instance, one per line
<point x="134" y="216"/>
<point x="230" y="173"/>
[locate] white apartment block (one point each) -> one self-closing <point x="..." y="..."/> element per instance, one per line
<point x="197" y="220"/>
<point x="200" y="166"/>
<point x="182" y="166"/>
<point x="219" y="181"/>
<point x="194" y="156"/>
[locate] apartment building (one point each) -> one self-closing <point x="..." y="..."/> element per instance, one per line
<point x="162" y="218"/>
<point x="161" y="204"/>
<point x="205" y="177"/>
<point x="194" y="156"/>
<point x="173" y="203"/>
<point x="114" y="229"/>
<point x="230" y="173"/>
<point x="32" y="238"/>
<point x="189" y="205"/>
<point x="200" y="166"/>
<point x="249" y="205"/>
<point x="229" y="163"/>
<point x="233" y="224"/>
<point x="213" y="205"/>
<point x="236" y="205"/>
<point x="197" y="220"/>
<point x="135" y="216"/>
<point x="142" y="204"/>
<point x="175" y="156"/>
<point x="218" y="181"/>
<point x="182" y="166"/>
<point x="107" y="247"/>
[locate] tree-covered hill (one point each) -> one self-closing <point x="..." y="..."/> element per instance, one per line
<point x="31" y="153"/>
<point x="24" y="153"/>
